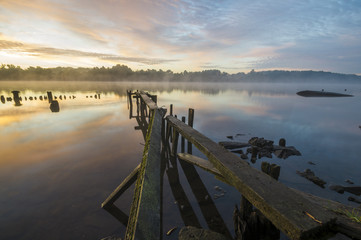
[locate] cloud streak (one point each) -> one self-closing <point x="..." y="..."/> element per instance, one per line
<point x="236" y="35"/>
<point x="33" y="50"/>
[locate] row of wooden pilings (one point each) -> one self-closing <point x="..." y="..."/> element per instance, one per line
<point x="296" y="214"/>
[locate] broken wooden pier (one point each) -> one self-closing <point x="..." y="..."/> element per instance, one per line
<point x="296" y="214"/>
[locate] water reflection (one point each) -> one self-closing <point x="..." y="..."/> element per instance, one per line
<point x="56" y="168"/>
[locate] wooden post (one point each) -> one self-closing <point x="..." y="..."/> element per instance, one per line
<point x="175" y="141"/>
<point x="171" y="110"/>
<point x="137" y="106"/>
<point x="182" y="138"/>
<point x="130" y="104"/>
<point x="190" y="123"/>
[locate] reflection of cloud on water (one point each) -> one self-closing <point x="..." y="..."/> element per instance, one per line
<point x="256" y="110"/>
<point x="42" y="137"/>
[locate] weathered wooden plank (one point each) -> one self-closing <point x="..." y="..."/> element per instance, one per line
<point x="283" y="207"/>
<point x="200" y="162"/>
<point x="344" y="224"/>
<point x="152" y="105"/>
<point x="127" y="182"/>
<point x="144" y="220"/>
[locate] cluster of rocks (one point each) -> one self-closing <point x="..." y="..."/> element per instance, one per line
<point x="355" y="190"/>
<point x="260" y="147"/>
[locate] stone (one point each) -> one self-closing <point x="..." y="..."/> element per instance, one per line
<point x="353" y="199"/>
<point x="193" y="233"/>
<point x="310" y="175"/>
<point x="282" y="142"/>
<point x="341" y="189"/>
<point x="260" y="142"/>
<point x="233" y="145"/>
<point x="349" y="181"/>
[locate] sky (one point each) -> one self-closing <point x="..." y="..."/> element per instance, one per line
<point x="232" y="36"/>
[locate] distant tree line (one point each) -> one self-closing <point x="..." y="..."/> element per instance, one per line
<point x="124" y="73"/>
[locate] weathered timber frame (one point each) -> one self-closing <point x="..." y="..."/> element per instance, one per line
<point x="282" y="206"/>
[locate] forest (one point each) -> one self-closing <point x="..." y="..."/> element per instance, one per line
<point x="9" y="72"/>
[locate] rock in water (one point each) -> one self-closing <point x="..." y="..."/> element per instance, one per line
<point x="309" y="175"/>
<point x="341" y="189"/>
<point x="233" y="145"/>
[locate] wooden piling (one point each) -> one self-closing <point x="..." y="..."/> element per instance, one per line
<point x="190" y="123"/>
<point x="182" y="138"/>
<point x="175" y="142"/>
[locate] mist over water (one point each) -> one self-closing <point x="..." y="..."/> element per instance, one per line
<point x="57" y="168"/>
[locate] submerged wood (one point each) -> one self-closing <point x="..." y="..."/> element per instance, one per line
<point x="145" y="217"/>
<point x="234" y="145"/>
<point x="284" y="208"/>
<point x="309" y="93"/>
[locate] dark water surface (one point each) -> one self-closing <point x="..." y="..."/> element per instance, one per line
<point x="57" y="168"/>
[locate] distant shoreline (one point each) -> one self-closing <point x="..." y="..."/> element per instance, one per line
<point x="122" y="73"/>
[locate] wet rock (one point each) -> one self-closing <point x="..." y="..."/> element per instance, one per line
<point x="230" y="137"/>
<point x="285" y="152"/>
<point x="349" y="181"/>
<point x="311" y="163"/>
<point x="193" y="233"/>
<point x="260" y="147"/>
<point x="341" y="189"/>
<point x="337" y="188"/>
<point x="233" y="145"/>
<point x="240" y="151"/>
<point x="353" y="199"/>
<point x="309" y="175"/>
<point x="264" y="153"/>
<point x="282" y="142"/>
<point x="240" y="134"/>
<point x="244" y="156"/>
<point x="260" y="142"/>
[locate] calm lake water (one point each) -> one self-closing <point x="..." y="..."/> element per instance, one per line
<point x="57" y="168"/>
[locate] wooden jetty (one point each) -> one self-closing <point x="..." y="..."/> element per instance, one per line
<point x="296" y="214"/>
